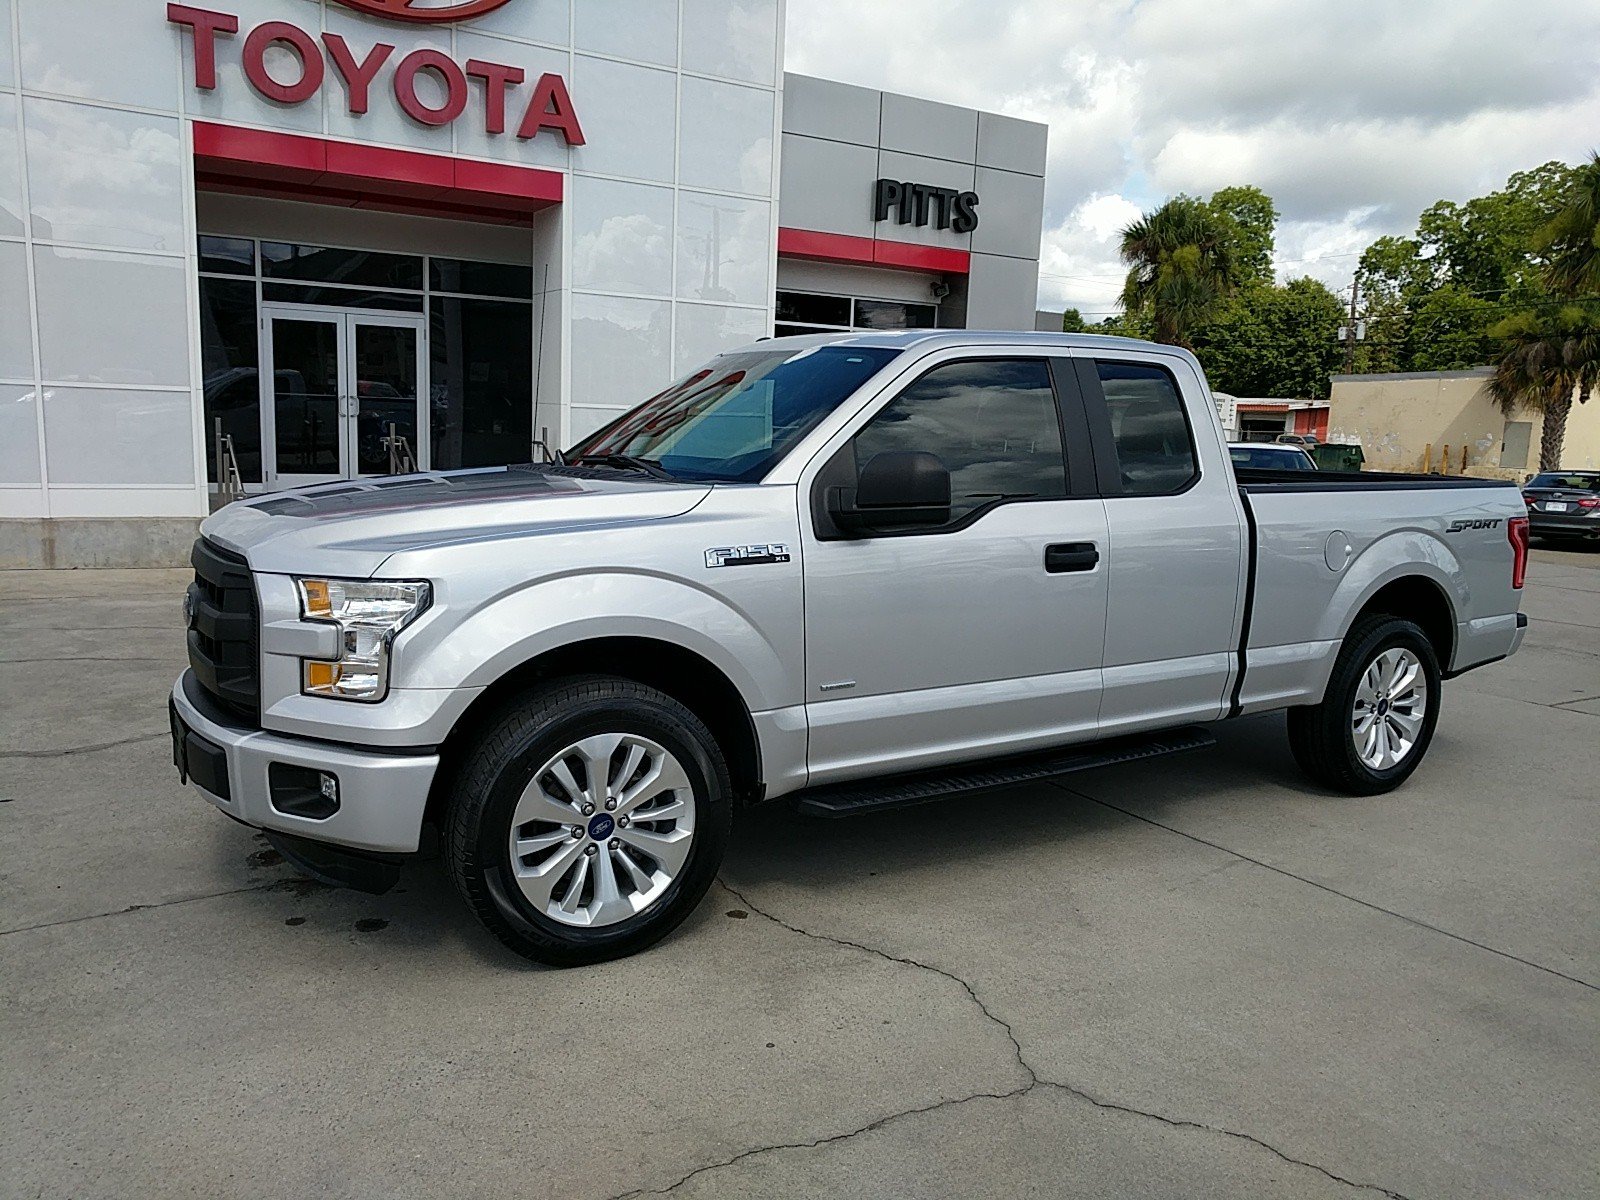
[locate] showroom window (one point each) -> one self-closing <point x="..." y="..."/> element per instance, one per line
<point x="478" y="318"/>
<point x="812" y="312"/>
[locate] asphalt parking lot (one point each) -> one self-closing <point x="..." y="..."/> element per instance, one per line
<point x="1188" y="978"/>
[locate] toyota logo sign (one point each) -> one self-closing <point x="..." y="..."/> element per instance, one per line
<point x="425" y="10"/>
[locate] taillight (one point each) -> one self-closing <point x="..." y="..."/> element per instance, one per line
<point x="1589" y="503"/>
<point x="1527" y="499"/>
<point x="1517" y="531"/>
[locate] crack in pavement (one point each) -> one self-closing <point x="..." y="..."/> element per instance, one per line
<point x="1331" y="890"/>
<point x="143" y="737"/>
<point x="1035" y="1082"/>
<point x="286" y="883"/>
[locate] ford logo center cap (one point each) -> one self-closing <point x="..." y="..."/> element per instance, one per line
<point x="600" y="828"/>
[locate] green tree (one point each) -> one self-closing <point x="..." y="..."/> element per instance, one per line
<point x="1570" y="241"/>
<point x="1544" y="359"/>
<point x="1072" y="322"/>
<point x="1253" y="218"/>
<point x="1486" y="245"/>
<point x="1392" y="279"/>
<point x="1181" y="267"/>
<point x="1449" y="330"/>
<point x="1273" y="341"/>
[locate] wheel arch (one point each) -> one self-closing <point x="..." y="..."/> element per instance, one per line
<point x="677" y="671"/>
<point x="1418" y="598"/>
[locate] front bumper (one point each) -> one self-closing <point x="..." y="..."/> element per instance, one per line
<point x="382" y="796"/>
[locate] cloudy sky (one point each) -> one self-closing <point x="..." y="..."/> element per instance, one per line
<point x="1353" y="115"/>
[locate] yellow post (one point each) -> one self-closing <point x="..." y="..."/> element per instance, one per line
<point x="1463" y="460"/>
<point x="1427" y="459"/>
<point x="1444" y="460"/>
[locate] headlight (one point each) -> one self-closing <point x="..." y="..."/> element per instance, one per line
<point x="369" y="614"/>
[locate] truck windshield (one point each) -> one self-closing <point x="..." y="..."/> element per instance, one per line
<point x="735" y="417"/>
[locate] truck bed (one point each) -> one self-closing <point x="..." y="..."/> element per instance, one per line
<point x="1260" y="480"/>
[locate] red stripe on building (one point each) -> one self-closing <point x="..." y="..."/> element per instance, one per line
<point x="843" y="248"/>
<point x="321" y="171"/>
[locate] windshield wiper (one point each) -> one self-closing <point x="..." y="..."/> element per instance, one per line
<point x="627" y="462"/>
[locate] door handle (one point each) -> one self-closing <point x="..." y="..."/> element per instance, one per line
<point x="1070" y="556"/>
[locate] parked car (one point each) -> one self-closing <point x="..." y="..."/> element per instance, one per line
<point x="1270" y="456"/>
<point x="1298" y="439"/>
<point x="842" y="571"/>
<point x="1563" y="505"/>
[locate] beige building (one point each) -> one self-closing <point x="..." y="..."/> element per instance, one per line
<point x="1398" y="418"/>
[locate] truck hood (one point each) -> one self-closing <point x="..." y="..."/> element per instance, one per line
<point x="349" y="528"/>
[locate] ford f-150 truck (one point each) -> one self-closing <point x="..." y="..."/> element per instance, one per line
<point x="849" y="570"/>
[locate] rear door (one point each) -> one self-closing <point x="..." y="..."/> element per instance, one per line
<point x="1175" y="535"/>
<point x="978" y="637"/>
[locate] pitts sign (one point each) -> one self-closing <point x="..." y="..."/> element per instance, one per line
<point x="548" y="107"/>
<point x="917" y="203"/>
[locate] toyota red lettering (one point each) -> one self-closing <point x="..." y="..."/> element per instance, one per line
<point x="548" y="106"/>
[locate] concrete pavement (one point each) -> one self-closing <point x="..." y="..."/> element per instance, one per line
<point x="1185" y="978"/>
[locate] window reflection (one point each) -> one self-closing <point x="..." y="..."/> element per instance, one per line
<point x="993" y="424"/>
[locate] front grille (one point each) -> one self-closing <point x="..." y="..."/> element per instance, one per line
<point x="222" y="630"/>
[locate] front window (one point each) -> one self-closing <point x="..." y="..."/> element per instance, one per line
<point x="736" y="417"/>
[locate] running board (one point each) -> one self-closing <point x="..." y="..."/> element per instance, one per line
<point x="897" y="791"/>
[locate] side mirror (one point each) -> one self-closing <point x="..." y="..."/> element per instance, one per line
<point x="897" y="487"/>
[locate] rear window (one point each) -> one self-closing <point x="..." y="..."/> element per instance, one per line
<point x="1150" y="428"/>
<point x="1266" y="459"/>
<point x="1575" y="481"/>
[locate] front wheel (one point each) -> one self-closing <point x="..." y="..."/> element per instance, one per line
<point x="589" y="821"/>
<point x="1378" y="715"/>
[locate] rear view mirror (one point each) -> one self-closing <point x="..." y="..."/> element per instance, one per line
<point x="897" y="487"/>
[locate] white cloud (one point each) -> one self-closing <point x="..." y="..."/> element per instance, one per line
<point x="1354" y="115"/>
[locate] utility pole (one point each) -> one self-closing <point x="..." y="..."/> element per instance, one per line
<point x="1350" y="329"/>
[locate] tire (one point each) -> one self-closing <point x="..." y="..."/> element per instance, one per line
<point x="1324" y="736"/>
<point x="625" y="898"/>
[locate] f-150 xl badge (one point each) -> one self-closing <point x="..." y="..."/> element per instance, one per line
<point x="1480" y="523"/>
<point x="747" y="556"/>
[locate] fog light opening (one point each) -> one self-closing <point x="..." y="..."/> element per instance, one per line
<point x="303" y="792"/>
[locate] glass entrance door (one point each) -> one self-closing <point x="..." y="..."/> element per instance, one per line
<point x="342" y="395"/>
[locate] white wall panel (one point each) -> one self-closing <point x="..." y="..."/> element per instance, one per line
<point x="104" y="176"/>
<point x="733" y="38"/>
<point x="705" y="330"/>
<point x="549" y="149"/>
<point x="101" y="436"/>
<point x="112" y="318"/>
<point x="16" y="322"/>
<point x="727" y="137"/>
<point x="10" y="169"/>
<point x="93" y="50"/>
<point x="8" y="65"/>
<point x="234" y="100"/>
<point x="19" y="434"/>
<point x="621" y="237"/>
<point x="643" y="29"/>
<point x="621" y="350"/>
<point x="722" y="249"/>
<point x="627" y="114"/>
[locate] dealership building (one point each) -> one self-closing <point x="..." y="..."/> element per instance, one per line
<point x="254" y="244"/>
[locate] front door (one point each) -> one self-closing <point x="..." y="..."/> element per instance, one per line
<point x="979" y="637"/>
<point x="343" y="394"/>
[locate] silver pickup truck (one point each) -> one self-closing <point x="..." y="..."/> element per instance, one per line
<point x="851" y="571"/>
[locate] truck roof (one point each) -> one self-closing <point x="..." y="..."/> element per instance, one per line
<point x="904" y="339"/>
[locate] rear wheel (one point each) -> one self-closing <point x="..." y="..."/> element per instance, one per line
<point x="1378" y="715"/>
<point x="589" y="821"/>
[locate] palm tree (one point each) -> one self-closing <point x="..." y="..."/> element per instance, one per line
<point x="1544" y="360"/>
<point x="1181" y="267"/>
<point x="1571" y="240"/>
